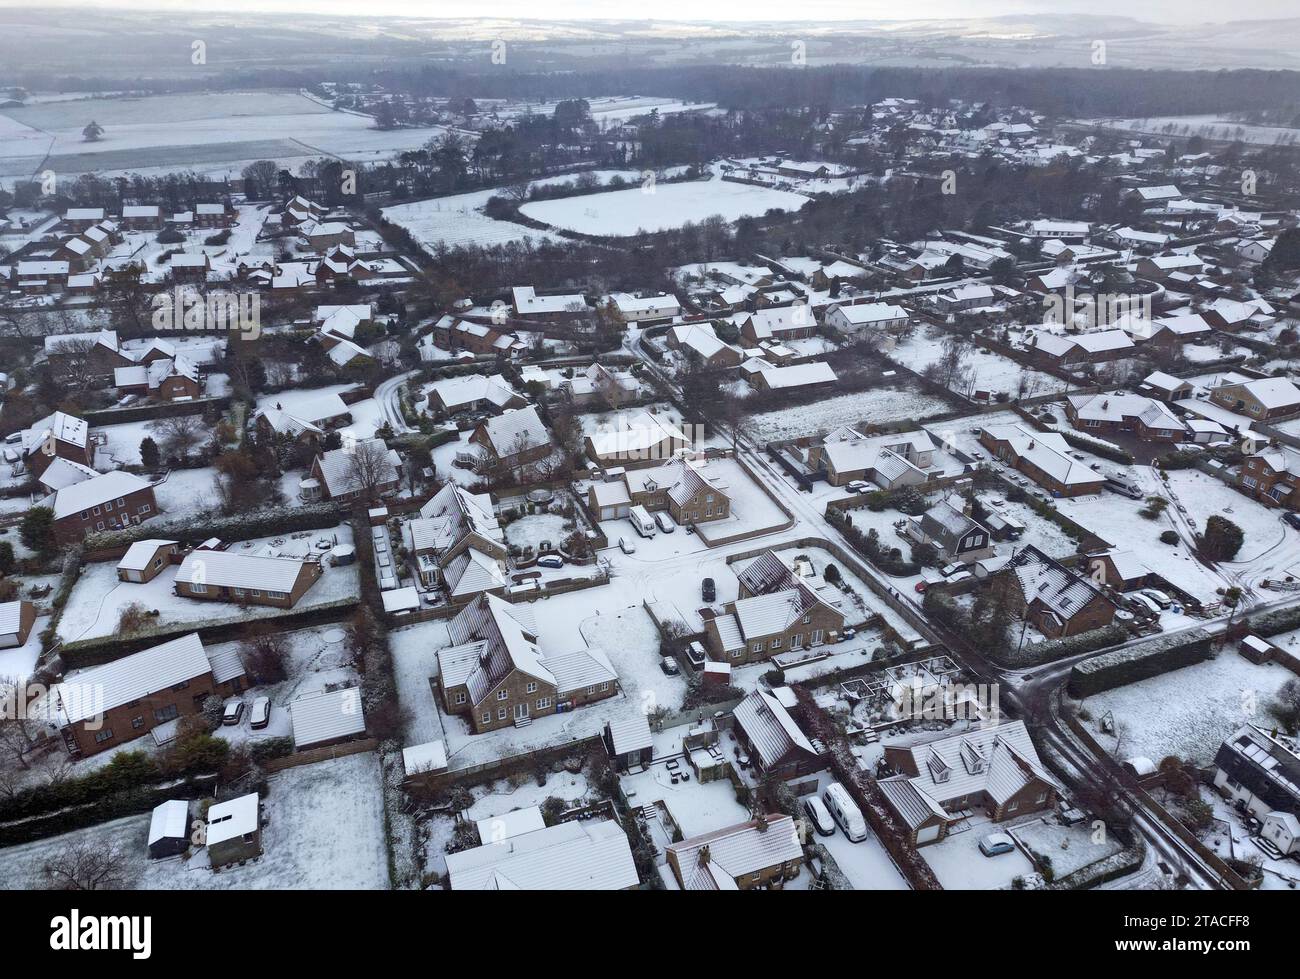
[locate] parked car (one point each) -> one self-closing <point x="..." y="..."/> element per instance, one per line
<point x="665" y="522"/>
<point x="1157" y="596"/>
<point x="1141" y="603"/>
<point x="260" y="715"/>
<point x="1292" y="518"/>
<point x="550" y="561"/>
<point x="858" y="486"/>
<point x="951" y="569"/>
<point x="996" y="843"/>
<point x="708" y="590"/>
<point x="921" y="586"/>
<point x="669" y="665"/>
<point x="234" y="713"/>
<point x="819" y="816"/>
<point x="627" y="545"/>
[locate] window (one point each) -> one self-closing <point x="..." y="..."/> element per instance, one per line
<point x="735" y="653"/>
<point x="796" y="641"/>
<point x="108" y="506"/>
<point x="776" y="643"/>
<point x="503" y="695"/>
<point x="145" y="508"/>
<point x="591" y="689"/>
<point x="275" y="594"/>
<point x="807" y="619"/>
<point x="756" y="647"/>
<point x="460" y="697"/>
<point x="487" y="717"/>
<point x="604" y="686"/>
<point x="543" y="703"/>
<point x="121" y="502"/>
<point x="165" y="713"/>
<point x="532" y="688"/>
<point x="198" y="587"/>
<point x="104" y="735"/>
<point x="257" y="593"/>
<point x="501" y="713"/>
<point x="816" y="637"/>
<point x="1042" y="797"/>
<point x="84" y="514"/>
<point x="239" y="593"/>
<point x="97" y="511"/>
<point x="709" y="498"/>
<point x="1013" y="806"/>
<point x="1250" y="482"/>
<point x="99" y="525"/>
<point x="137" y="722"/>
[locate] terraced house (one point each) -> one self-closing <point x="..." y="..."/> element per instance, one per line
<point x="495" y="676"/>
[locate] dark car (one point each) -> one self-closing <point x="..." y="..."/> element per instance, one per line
<point x="1293" y="519"/>
<point x="708" y="590"/>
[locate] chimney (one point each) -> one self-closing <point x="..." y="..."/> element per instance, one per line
<point x="703" y="857"/>
<point x="760" y="822"/>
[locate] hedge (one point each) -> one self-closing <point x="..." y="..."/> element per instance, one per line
<point x="269" y="522"/>
<point x="1055" y="649"/>
<point x="1148" y="659"/>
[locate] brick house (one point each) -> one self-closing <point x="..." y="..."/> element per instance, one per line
<point x="684" y="488"/>
<point x="1272" y="475"/>
<point x="1042" y="456"/>
<point x="223" y="576"/>
<point x="495" y="676"/>
<point x="96" y="354"/>
<point x="779" y="323"/>
<point x="752" y="630"/>
<point x="994" y="769"/>
<point x="763" y="852"/>
<point x="112" y="501"/>
<point x="104" y="706"/>
<point x="772" y="738"/>
<point x="145" y="559"/>
<point x="514" y="438"/>
<point x="1262" y="398"/>
<point x="1056" y="600"/>
<point x="1144" y="418"/>
<point x="58" y="436"/>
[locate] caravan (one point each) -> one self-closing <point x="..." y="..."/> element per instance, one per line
<point x="642" y="521"/>
<point x="845" y="811"/>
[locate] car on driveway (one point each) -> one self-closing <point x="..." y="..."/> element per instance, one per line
<point x="550" y="561"/>
<point x="234" y="713"/>
<point x="1292" y="518"/>
<point x="669" y="665"/>
<point x="996" y="843"/>
<point x="260" y="716"/>
<point x="708" y="590"/>
<point x="819" y="816"/>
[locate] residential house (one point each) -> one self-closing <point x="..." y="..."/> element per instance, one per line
<point x="1272" y="475"/>
<point x="57" y="436"/>
<point x="364" y="469"/>
<point x="1042" y="456"/>
<point x="1264" y="398"/>
<point x="644" y="436"/>
<point x="700" y="342"/>
<point x="473" y="392"/>
<point x="789" y="619"/>
<point x="495" y="675"/>
<point x="686" y="488"/>
<point x="994" y="769"/>
<point x="515" y="438"/>
<point x="769" y="734"/>
<point x="890" y="461"/>
<point x="779" y="323"/>
<point x="1260" y="769"/>
<point x="949" y="526"/>
<point x="578" y="855"/>
<point x="1144" y="418"/>
<point x="764" y="376"/>
<point x="104" y="706"/>
<point x="648" y="309"/>
<point x="529" y="305"/>
<point x="245" y="579"/>
<point x="95" y="354"/>
<point x="1076" y="349"/>
<point x="1058" y="601"/>
<point x="763" y="852"/>
<point x="457" y="543"/>
<point x="112" y="501"/>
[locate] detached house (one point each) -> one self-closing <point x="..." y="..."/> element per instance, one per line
<point x="457" y="542"/>
<point x="104" y="706"/>
<point x="112" y="501"/>
<point x="784" y="620"/>
<point x="781" y="324"/>
<point x="890" y="461"/>
<point x="1264" y="398"/>
<point x="1260" y="769"/>
<point x="856" y="317"/>
<point x="514" y="438"/>
<point x="993" y="769"/>
<point x="1272" y="475"/>
<point x="1057" y="600"/>
<point x="1042" y="456"/>
<point x="245" y="579"/>
<point x="368" y="468"/>
<point x="772" y="738"/>
<point x="763" y="852"/>
<point x="644" y="436"/>
<point x="949" y="526"/>
<point x="495" y="675"/>
<point x="1144" y="418"/>
<point x="57" y="436"/>
<point x="473" y="392"/>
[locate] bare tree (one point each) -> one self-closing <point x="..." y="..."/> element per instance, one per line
<point x="369" y="467"/>
<point x="179" y="434"/>
<point x="85" y="865"/>
<point x="20" y="734"/>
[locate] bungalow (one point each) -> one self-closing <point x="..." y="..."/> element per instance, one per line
<point x="16" y="621"/>
<point x="1160" y="267"/>
<point x="763" y="376"/>
<point x="113" y="501"/>
<point x="80" y="218"/>
<point x="245" y="579"/>
<point x="145" y="559"/>
<point x="1263" y="398"/>
<point x="866" y="316"/>
<point x="649" y="309"/>
<point x="1042" y="456"/>
<point x="890" y="461"/>
<point x="473" y="392"/>
<point x="763" y="852"/>
<point x="104" y="706"/>
<point x="683" y="487"/>
<point x="495" y="675"/>
<point x="995" y="769"/>
<point x="529" y="305"/>
<point x="1144" y="418"/>
<point x="969" y="296"/>
<point x="1096" y="347"/>
<point x="308" y="417"/>
<point x="1056" y="600"/>
<point x="1231" y="315"/>
<point x="583" y="855"/>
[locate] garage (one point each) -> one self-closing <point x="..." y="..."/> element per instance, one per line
<point x="927" y="834"/>
<point x="609" y="501"/>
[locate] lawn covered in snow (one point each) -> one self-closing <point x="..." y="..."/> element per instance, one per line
<point x="1187" y="712"/>
<point x="879" y="406"/>
<point x="659" y="207"/>
<point x="324" y="830"/>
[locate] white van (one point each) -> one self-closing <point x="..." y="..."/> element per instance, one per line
<point x="845" y="811"/>
<point x="641" y="520"/>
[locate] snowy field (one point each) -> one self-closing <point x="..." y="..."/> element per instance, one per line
<point x="212" y="133"/>
<point x="989" y="371"/>
<point x="880" y="406"/>
<point x="1206" y="126"/>
<point x="619" y="213"/>
<point x="324" y="831"/>
<point x="1187" y="712"/>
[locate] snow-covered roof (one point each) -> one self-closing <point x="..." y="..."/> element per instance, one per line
<point x="630" y="732"/>
<point x="589" y="855"/>
<point x="139" y="554"/>
<point x="327" y="715"/>
<point x="770" y="729"/>
<point x="527" y="301"/>
<point x="227" y="569"/>
<point x="170" y="821"/>
<point x="428" y="757"/>
<point x="515" y="430"/>
<point x="11" y="617"/>
<point x="735" y="852"/>
<point x="231" y="819"/>
<point x="498" y="829"/>
<point x="84" y="694"/>
<point x="94" y="492"/>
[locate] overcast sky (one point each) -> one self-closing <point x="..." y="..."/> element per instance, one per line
<point x="1164" y="11"/>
